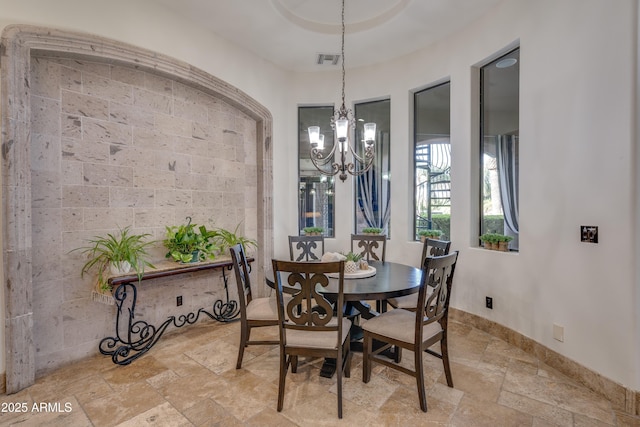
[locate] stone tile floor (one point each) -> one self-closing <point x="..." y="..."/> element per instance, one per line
<point x="189" y="379"/>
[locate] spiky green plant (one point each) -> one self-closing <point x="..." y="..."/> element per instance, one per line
<point x="353" y="257"/>
<point x="224" y="239"/>
<point x="116" y="248"/>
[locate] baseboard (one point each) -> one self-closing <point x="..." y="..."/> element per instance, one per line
<point x="622" y="399"/>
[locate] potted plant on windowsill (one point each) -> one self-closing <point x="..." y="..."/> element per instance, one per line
<point x="120" y="252"/>
<point x="189" y="243"/>
<point x="371" y="230"/>
<point x="496" y="241"/>
<point x="489" y="240"/>
<point x="503" y="242"/>
<point x="429" y="234"/>
<point x="313" y="231"/>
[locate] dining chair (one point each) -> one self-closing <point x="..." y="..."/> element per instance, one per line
<point x="431" y="247"/>
<point x="306" y="331"/>
<point x="370" y="246"/>
<point x="254" y="312"/>
<point x="416" y="331"/>
<point x="306" y="248"/>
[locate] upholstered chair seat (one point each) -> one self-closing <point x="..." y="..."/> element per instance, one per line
<point x="400" y="325"/>
<point x="318" y="339"/>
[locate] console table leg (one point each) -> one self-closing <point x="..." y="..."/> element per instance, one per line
<point x="133" y="339"/>
<point x="225" y="311"/>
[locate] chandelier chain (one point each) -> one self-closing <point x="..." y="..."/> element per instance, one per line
<point x="343" y="73"/>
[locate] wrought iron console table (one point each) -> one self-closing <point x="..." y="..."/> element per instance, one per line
<point x="134" y="338"/>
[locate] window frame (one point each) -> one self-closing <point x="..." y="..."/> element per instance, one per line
<point x="386" y="135"/>
<point x="303" y="138"/>
<point x="482" y="127"/>
<point x="416" y="93"/>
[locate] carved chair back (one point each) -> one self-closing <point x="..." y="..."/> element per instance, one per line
<point x="306" y="248"/>
<point x="371" y="247"/>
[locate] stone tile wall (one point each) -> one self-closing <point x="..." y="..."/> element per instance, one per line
<point x="113" y="146"/>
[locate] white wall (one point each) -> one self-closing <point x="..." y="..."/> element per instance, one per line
<point x="577" y="168"/>
<point x="578" y="161"/>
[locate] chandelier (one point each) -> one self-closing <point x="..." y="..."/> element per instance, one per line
<point x="343" y="124"/>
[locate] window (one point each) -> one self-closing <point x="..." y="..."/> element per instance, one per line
<point x="373" y="187"/>
<point x="315" y="190"/>
<point x="499" y="146"/>
<point x="432" y="160"/>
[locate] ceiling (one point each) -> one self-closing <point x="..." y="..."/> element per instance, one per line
<point x="291" y="33"/>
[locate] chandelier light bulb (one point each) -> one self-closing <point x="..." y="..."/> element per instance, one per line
<point x="369" y="133"/>
<point x="314" y="134"/>
<point x="342" y="129"/>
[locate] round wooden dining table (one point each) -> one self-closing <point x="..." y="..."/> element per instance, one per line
<point x="391" y="280"/>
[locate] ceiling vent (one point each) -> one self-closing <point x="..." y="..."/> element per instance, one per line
<point x="328" y="58"/>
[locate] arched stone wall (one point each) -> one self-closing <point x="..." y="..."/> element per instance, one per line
<point x="19" y="45"/>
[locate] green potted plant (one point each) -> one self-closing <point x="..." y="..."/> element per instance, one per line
<point x="503" y="242"/>
<point x="120" y="252"/>
<point x="189" y="243"/>
<point x="224" y="239"/>
<point x="313" y="231"/>
<point x="496" y="241"/>
<point x="372" y="230"/>
<point x="488" y="240"/>
<point x="429" y="234"/>
<point x="352" y="262"/>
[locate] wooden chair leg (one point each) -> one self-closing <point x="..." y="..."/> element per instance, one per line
<point x="281" y="383"/>
<point x="244" y="332"/>
<point x="339" y="375"/>
<point x="294" y="364"/>
<point x="347" y="364"/>
<point x="366" y="355"/>
<point x="445" y="360"/>
<point x="420" y="379"/>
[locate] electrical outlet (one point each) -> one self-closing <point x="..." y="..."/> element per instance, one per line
<point x="179" y="301"/>
<point x="489" y="303"/>
<point x="589" y="233"/>
<point x="558" y="332"/>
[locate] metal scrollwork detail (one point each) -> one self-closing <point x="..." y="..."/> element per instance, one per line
<point x="135" y="338"/>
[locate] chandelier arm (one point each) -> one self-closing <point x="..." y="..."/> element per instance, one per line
<point x="335" y="168"/>
<point x="368" y="154"/>
<point x="357" y="172"/>
<point x="317" y="156"/>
